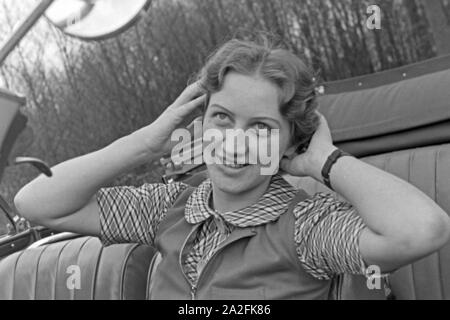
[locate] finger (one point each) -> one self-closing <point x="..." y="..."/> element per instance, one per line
<point x="318" y="113"/>
<point x="187" y="108"/>
<point x="285" y="165"/>
<point x="322" y="117"/>
<point x="198" y="119"/>
<point x="191" y="92"/>
<point x="293" y="167"/>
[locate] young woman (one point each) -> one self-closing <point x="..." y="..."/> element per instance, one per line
<point x="241" y="234"/>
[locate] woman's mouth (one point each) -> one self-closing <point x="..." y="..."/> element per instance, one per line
<point x="234" y="169"/>
<point x="235" y="166"/>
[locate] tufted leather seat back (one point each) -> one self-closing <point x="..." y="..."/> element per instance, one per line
<point x="50" y="271"/>
<point x="428" y="169"/>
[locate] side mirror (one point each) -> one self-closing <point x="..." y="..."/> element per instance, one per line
<point x="84" y="19"/>
<point x="95" y="20"/>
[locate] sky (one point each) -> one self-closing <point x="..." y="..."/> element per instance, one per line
<point x="39" y="40"/>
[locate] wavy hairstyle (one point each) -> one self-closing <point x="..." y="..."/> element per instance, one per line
<point x="296" y="81"/>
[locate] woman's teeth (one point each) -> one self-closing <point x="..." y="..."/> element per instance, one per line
<point x="235" y="166"/>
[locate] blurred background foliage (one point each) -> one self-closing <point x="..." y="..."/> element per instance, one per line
<point x="82" y="96"/>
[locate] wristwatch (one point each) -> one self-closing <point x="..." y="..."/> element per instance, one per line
<point x="331" y="160"/>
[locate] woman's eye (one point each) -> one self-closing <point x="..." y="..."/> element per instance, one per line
<point x="221" y="116"/>
<point x="262" y="126"/>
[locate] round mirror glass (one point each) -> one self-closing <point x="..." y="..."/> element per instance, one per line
<point x="95" y="19"/>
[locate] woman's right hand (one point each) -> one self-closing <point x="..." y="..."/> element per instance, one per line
<point x="67" y="200"/>
<point x="157" y="134"/>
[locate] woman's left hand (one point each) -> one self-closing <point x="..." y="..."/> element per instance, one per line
<point x="310" y="163"/>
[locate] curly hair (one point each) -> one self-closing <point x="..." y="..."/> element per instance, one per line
<point x="296" y="81"/>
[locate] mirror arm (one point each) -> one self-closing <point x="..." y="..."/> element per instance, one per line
<point x="35" y="162"/>
<point x="23" y="29"/>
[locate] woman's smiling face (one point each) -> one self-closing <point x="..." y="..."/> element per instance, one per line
<point x="245" y="102"/>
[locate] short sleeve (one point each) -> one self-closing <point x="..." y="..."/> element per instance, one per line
<point x="132" y="214"/>
<point x="327" y="233"/>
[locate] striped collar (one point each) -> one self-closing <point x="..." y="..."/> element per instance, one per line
<point x="269" y="207"/>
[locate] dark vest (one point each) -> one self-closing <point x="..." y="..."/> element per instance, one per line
<point x="253" y="263"/>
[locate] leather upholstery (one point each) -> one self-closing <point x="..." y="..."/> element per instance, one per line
<point x="428" y="169"/>
<point x="113" y="272"/>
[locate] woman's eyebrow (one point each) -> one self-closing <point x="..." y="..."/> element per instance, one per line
<point x="253" y="118"/>
<point x="221" y="107"/>
<point x="268" y="119"/>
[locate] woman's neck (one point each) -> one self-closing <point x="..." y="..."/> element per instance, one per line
<point x="226" y="202"/>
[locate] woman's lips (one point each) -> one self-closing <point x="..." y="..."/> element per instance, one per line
<point x="233" y="169"/>
<point x="234" y="165"/>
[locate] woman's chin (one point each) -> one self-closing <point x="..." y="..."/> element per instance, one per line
<point x="235" y="180"/>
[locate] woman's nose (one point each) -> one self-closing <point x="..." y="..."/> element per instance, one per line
<point x="238" y="143"/>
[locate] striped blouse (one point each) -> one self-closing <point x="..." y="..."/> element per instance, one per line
<point x="326" y="230"/>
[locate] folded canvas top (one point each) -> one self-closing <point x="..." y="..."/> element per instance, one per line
<point x="388" y="103"/>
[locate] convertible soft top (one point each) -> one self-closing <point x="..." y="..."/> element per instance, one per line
<point x="393" y="110"/>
